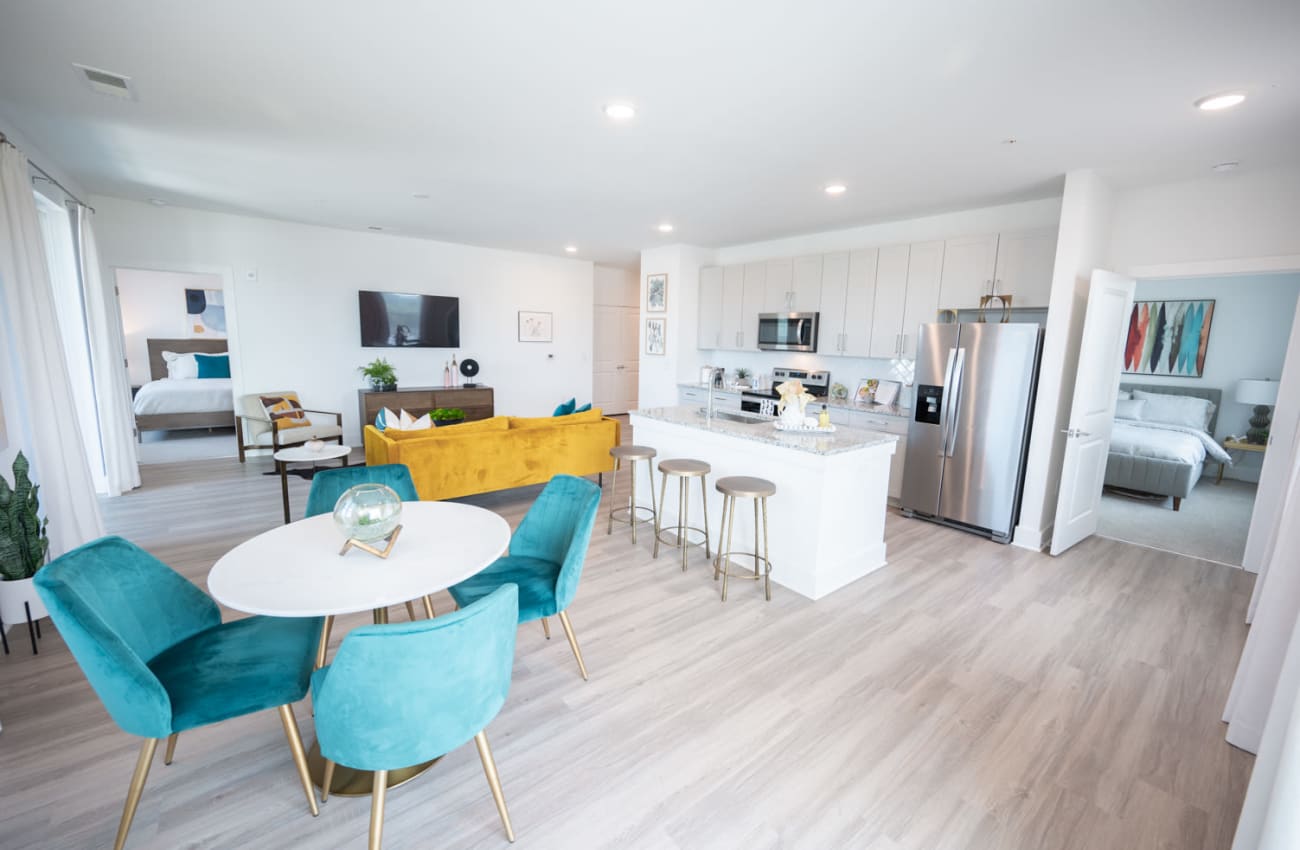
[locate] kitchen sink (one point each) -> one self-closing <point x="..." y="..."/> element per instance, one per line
<point x="731" y="416"/>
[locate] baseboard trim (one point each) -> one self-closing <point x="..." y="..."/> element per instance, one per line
<point x="1034" y="539"/>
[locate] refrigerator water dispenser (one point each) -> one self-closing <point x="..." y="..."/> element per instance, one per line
<point x="929" y="400"/>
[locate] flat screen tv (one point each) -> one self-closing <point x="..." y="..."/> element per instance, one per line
<point x="403" y="320"/>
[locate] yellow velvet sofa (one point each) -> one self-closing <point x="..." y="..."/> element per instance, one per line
<point x="497" y="453"/>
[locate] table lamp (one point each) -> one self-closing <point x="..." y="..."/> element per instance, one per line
<point x="1262" y="393"/>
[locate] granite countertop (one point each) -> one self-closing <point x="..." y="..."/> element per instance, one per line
<point x="846" y="404"/>
<point x="760" y="429"/>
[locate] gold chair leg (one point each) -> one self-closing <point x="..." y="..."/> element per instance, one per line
<point x="650" y="465"/>
<point x="631" y="505"/>
<point x="573" y="642"/>
<point x="546" y="627"/>
<point x="171" y="747"/>
<point x="684" y="521"/>
<point x="722" y="533"/>
<point x="325" y="629"/>
<point x="299" y="755"/>
<point x="410" y="611"/>
<point x="494" y="782"/>
<point x="731" y="529"/>
<point x="326" y="780"/>
<point x="767" y="557"/>
<point x="428" y="607"/>
<point x="704" y="499"/>
<point x="135" y="790"/>
<point x="613" y="489"/>
<point x="756" y="556"/>
<point x="659" y="515"/>
<point x="378" y="790"/>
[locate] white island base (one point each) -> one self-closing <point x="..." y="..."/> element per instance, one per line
<point x="826" y="522"/>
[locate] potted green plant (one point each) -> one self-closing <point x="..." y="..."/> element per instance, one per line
<point x="381" y="374"/>
<point x="24" y="546"/>
<point x="446" y="416"/>
<point x="742" y="377"/>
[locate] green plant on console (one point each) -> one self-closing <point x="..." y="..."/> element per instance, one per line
<point x="381" y="373"/>
<point x="23" y="542"/>
<point x="444" y="414"/>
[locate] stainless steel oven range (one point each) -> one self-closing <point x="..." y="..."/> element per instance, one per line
<point x="817" y="384"/>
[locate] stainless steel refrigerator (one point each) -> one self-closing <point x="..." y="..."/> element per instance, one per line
<point x="969" y="432"/>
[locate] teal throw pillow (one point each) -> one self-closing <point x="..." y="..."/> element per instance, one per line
<point x="566" y="408"/>
<point x="213" y="365"/>
<point x="584" y="408"/>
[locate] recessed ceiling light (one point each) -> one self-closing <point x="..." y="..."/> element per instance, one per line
<point x="570" y="249"/>
<point x="373" y="227"/>
<point x="836" y="189"/>
<point x="1226" y="166"/>
<point x="420" y="196"/>
<point x="620" y="111"/>
<point x="665" y="228"/>
<point x="158" y="202"/>
<point x="1220" y="101"/>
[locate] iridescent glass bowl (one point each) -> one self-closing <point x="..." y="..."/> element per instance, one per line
<point x="368" y="512"/>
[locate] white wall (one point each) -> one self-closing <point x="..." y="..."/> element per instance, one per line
<point x="660" y="374"/>
<point x="1081" y="244"/>
<point x="1248" y="339"/>
<point x="153" y="307"/>
<point x="294" y="307"/>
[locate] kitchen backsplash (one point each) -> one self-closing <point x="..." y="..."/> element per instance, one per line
<point x="844" y="370"/>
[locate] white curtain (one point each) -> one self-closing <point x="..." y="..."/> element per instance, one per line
<point x="108" y="360"/>
<point x="33" y="361"/>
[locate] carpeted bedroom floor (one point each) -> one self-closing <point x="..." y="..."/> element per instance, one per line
<point x="1212" y="523"/>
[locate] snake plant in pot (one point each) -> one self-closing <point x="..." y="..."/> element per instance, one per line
<point x="23" y="546"/>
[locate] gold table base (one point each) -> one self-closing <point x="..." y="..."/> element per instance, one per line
<point x="358" y="783"/>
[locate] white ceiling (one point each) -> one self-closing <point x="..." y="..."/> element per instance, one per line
<point x="335" y="112"/>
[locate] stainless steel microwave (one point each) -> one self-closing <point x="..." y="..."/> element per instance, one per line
<point x="787" y="331"/>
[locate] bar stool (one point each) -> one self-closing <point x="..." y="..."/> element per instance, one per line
<point x="685" y="470"/>
<point x="743" y="487"/>
<point x="629" y="514"/>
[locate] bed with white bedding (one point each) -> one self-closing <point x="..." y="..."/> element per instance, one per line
<point x="170" y="403"/>
<point x="1160" y="444"/>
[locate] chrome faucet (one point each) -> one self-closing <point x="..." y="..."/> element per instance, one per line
<point x="708" y="413"/>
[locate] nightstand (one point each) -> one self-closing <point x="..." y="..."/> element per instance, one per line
<point x="1232" y="445"/>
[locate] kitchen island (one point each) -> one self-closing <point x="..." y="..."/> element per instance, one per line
<point x="827" y="520"/>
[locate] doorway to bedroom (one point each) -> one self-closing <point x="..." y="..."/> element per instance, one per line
<point x="175" y="329"/>
<point x="1202" y="362"/>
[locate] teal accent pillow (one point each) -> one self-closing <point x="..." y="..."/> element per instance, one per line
<point x="566" y="408"/>
<point x="584" y="408"/>
<point x="213" y="365"/>
<point x="381" y="419"/>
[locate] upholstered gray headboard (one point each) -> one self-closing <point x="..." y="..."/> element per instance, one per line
<point x="1212" y="393"/>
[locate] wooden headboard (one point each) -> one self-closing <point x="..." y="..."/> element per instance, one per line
<point x="1214" y="394"/>
<point x="158" y="366"/>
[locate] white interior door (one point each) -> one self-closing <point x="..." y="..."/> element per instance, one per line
<point x="614" y="358"/>
<point x="1092" y="410"/>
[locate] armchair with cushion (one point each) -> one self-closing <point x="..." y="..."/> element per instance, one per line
<point x="156" y="652"/>
<point x="258" y="429"/>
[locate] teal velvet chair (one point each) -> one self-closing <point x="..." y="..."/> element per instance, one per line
<point x="328" y="484"/>
<point x="401" y="694"/>
<point x="156" y="652"/>
<point x="546" y="557"/>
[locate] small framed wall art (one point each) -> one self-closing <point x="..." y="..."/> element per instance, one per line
<point x="656" y="293"/>
<point x="655" y="331"/>
<point x="534" y="327"/>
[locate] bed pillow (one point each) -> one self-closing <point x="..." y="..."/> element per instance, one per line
<point x="285" y="410"/>
<point x="1129" y="408"/>
<point x="1125" y="395"/>
<point x="1176" y="409"/>
<point x="213" y="365"/>
<point x="180" y="366"/>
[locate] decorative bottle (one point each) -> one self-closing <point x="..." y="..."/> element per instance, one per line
<point x="455" y="373"/>
<point x="446" y="374"/>
<point x="824" y="418"/>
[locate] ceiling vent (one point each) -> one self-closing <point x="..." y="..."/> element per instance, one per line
<point x="106" y="82"/>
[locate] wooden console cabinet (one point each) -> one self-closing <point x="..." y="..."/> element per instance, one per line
<point x="477" y="402"/>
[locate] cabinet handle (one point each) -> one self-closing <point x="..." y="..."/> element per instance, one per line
<point x="902" y="343"/>
<point x="898" y="343"/>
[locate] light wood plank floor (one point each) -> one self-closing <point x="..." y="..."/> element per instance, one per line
<point x="969" y="695"/>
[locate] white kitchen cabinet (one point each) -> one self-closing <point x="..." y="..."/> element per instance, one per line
<point x="1024" y="268"/>
<point x="778" y="286"/>
<point x="751" y="304"/>
<point x="806" y="290"/>
<point x="969" y="266"/>
<point x="896" y="425"/>
<point x="924" y="273"/>
<point x="733" y="293"/>
<point x="855" y="339"/>
<point x="890" y="301"/>
<point x="699" y="396"/>
<point x="709" y="324"/>
<point x="835" y="289"/>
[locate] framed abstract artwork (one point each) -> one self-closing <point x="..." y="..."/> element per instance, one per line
<point x="1168" y="338"/>
<point x="534" y="326"/>
<point x="655" y="333"/>
<point x="656" y="293"/>
<point x="205" y="312"/>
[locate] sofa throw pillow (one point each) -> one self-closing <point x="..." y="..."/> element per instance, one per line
<point x="565" y="408"/>
<point x="180" y="367"/>
<point x="1176" y="409"/>
<point x="407" y="422"/>
<point x="584" y="408"/>
<point x="1129" y="408"/>
<point x="213" y="365"/>
<point x="285" y="411"/>
<point x="451" y="432"/>
<point x="385" y="418"/>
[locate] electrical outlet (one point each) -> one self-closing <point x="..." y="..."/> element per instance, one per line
<point x="251" y="274"/>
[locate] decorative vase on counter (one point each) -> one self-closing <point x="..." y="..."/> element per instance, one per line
<point x="792" y="414"/>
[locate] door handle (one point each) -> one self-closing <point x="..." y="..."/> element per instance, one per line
<point x="958" y="373"/>
<point x="945" y="412"/>
<point x="1075" y="432"/>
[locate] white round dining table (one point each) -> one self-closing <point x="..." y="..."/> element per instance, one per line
<point x="296" y="570"/>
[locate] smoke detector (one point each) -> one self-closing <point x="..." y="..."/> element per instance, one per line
<point x="106" y="82"/>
